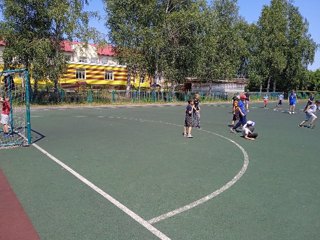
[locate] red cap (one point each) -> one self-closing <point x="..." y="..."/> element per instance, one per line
<point x="243" y="97"/>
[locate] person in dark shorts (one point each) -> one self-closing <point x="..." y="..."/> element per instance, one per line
<point x="242" y="114"/>
<point x="311" y="114"/>
<point x="280" y="101"/>
<point x="310" y="102"/>
<point x="188" y="119"/>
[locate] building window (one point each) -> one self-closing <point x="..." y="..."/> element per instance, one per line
<point x="80" y="73"/>
<point x="83" y="59"/>
<point x="108" y="75"/>
<point x="104" y="60"/>
<point x="94" y="60"/>
<point x="68" y="58"/>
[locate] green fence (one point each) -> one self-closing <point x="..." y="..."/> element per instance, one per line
<point x="104" y="96"/>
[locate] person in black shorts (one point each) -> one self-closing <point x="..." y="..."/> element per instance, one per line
<point x="188" y="119"/>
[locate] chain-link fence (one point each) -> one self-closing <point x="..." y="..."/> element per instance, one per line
<point x="104" y="96"/>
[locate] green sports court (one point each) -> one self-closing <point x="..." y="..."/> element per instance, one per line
<point x="126" y="172"/>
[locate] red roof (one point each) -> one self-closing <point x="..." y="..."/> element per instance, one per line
<point x="105" y="50"/>
<point x="67" y="47"/>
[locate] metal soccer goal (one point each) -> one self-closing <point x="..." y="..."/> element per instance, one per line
<point x="15" y="91"/>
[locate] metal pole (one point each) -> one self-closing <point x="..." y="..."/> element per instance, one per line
<point x="28" y="118"/>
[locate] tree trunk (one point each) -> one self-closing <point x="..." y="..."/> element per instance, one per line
<point x="268" y="84"/>
<point x="35" y="88"/>
<point x="128" y="88"/>
<point x="260" y="88"/>
<point x="274" y="85"/>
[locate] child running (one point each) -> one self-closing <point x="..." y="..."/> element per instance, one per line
<point x="310" y="114"/>
<point x="5" y="115"/>
<point x="280" y="101"/>
<point x="242" y="114"/>
<point x="188" y="119"/>
<point x="310" y="101"/>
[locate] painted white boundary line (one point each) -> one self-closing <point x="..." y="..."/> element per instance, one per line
<point x="213" y="194"/>
<point x="115" y="202"/>
<point x="209" y="196"/>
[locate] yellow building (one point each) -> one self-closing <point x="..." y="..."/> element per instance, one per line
<point x="93" y="66"/>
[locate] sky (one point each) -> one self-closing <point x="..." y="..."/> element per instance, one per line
<point x="250" y="10"/>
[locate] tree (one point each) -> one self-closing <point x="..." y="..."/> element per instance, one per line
<point x="272" y="50"/>
<point x="229" y="44"/>
<point x="285" y="48"/>
<point x="300" y="51"/>
<point x="157" y="37"/>
<point x="313" y="83"/>
<point x="34" y="30"/>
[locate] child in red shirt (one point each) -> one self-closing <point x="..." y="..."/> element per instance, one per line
<point x="5" y="115"/>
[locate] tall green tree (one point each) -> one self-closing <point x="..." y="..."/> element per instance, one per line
<point x="184" y="31"/>
<point x="313" y="83"/>
<point x="34" y="30"/>
<point x="229" y="44"/>
<point x="284" y="47"/>
<point x="273" y="41"/>
<point x="158" y="37"/>
<point x="300" y="51"/>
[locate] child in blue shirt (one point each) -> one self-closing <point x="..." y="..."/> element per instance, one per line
<point x="242" y="114"/>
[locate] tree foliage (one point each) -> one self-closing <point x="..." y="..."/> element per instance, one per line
<point x="174" y="39"/>
<point x="283" y="48"/>
<point x="34" y="29"/>
<point x="179" y="39"/>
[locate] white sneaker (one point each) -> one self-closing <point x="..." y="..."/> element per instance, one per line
<point x="190" y="136"/>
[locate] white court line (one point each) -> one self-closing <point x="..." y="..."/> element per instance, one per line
<point x="211" y="195"/>
<point x="148" y="224"/>
<point x="115" y="202"/>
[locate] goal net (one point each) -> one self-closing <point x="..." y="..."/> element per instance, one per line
<point x="15" y="120"/>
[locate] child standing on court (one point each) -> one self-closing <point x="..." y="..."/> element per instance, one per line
<point x="265" y="100"/>
<point x="292" y="102"/>
<point x="188" y="119"/>
<point x="196" y="111"/>
<point x="235" y="110"/>
<point x="5" y="115"/>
